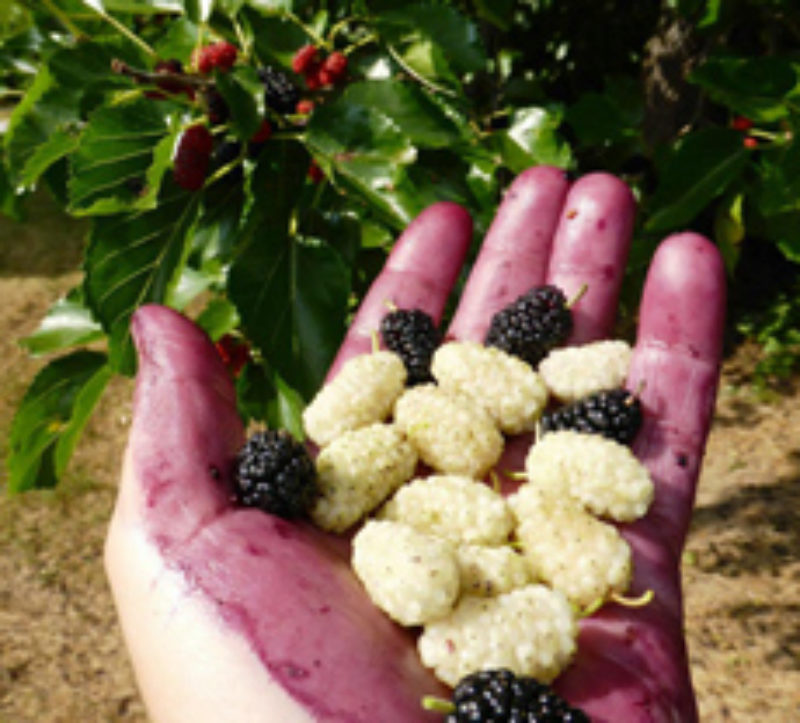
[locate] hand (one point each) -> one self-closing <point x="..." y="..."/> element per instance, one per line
<point x="233" y="615"/>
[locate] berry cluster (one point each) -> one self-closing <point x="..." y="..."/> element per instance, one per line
<point x="319" y="72"/>
<point x="220" y="56"/>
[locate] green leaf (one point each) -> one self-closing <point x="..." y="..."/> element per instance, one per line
<point x="435" y="40"/>
<point x="134" y="259"/>
<point x="264" y="395"/>
<point x="275" y="37"/>
<point x="598" y="120"/>
<point x="238" y="87"/>
<point x="498" y="12"/>
<point x="292" y="298"/>
<point x="121" y="152"/>
<point x="729" y="229"/>
<point x="532" y="139"/>
<point x="218" y="317"/>
<point x="369" y="151"/>
<point x="421" y="120"/>
<point x="291" y="295"/>
<point x="757" y="88"/>
<point x="68" y="323"/>
<point x="52" y="416"/>
<point x="59" y="145"/>
<point x="779" y="187"/>
<point x="702" y="166"/>
<point x="46" y="109"/>
<point x="198" y="11"/>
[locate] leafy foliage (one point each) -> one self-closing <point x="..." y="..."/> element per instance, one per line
<point x="296" y="208"/>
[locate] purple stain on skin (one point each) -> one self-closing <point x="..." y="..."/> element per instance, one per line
<point x="601" y="224"/>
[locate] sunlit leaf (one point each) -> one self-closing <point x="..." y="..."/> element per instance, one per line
<point x="134" y="259"/>
<point x="68" y="323"/>
<point x="51" y="417"/>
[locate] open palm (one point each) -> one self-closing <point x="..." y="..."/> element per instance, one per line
<point x="234" y="615"/>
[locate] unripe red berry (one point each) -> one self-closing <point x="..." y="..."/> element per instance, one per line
<point x="304" y="58"/>
<point x="221" y="55"/>
<point x="315" y="173"/>
<point x="234" y="353"/>
<point x="225" y="55"/>
<point x="304" y="107"/>
<point x="263" y="133"/>
<point x="741" y="123"/>
<point x="335" y="65"/>
<point x="312" y="78"/>
<point x="192" y="157"/>
<point x="750" y="142"/>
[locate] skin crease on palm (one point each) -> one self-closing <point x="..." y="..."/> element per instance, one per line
<point x="232" y="615"/>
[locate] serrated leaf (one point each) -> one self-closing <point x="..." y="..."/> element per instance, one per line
<point x="779" y="187"/>
<point x="68" y="323"/>
<point x="88" y="65"/>
<point x="45" y="110"/>
<point x="59" y="145"/>
<point x="275" y="37"/>
<point x="238" y="87"/>
<point x="117" y="157"/>
<point x="292" y="299"/>
<point x="435" y="40"/>
<point x="701" y="168"/>
<point x="369" y="151"/>
<point x="134" y="259"/>
<point x="753" y="87"/>
<point x="532" y="139"/>
<point x="52" y="416"/>
<point x="498" y="12"/>
<point x="422" y="121"/>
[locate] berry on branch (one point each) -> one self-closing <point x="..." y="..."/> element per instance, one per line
<point x="193" y="157"/>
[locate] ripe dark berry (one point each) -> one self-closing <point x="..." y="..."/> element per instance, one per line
<point x="498" y="696"/>
<point x="216" y="107"/>
<point x="413" y="335"/>
<point x="304" y="58"/>
<point x="280" y="94"/>
<point x="192" y="157"/>
<point x="532" y="325"/>
<point x="613" y="413"/>
<point x="275" y="473"/>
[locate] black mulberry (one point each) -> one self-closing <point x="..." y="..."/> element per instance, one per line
<point x="498" y="696"/>
<point x="413" y="335"/>
<point x="613" y="413"/>
<point x="275" y="473"/>
<point x="280" y="94"/>
<point x="532" y="325"/>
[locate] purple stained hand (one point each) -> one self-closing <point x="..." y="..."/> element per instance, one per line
<point x="231" y="614"/>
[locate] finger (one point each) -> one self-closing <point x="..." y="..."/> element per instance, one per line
<point x="515" y="252"/>
<point x="419" y="273"/>
<point x="185" y="401"/>
<point x="590" y="248"/>
<point x="676" y="364"/>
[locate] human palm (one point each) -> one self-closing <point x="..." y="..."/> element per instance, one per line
<point x="234" y="615"/>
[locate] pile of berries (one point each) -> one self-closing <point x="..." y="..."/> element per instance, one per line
<point x="475" y="570"/>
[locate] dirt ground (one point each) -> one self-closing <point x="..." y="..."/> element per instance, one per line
<point x="61" y="655"/>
